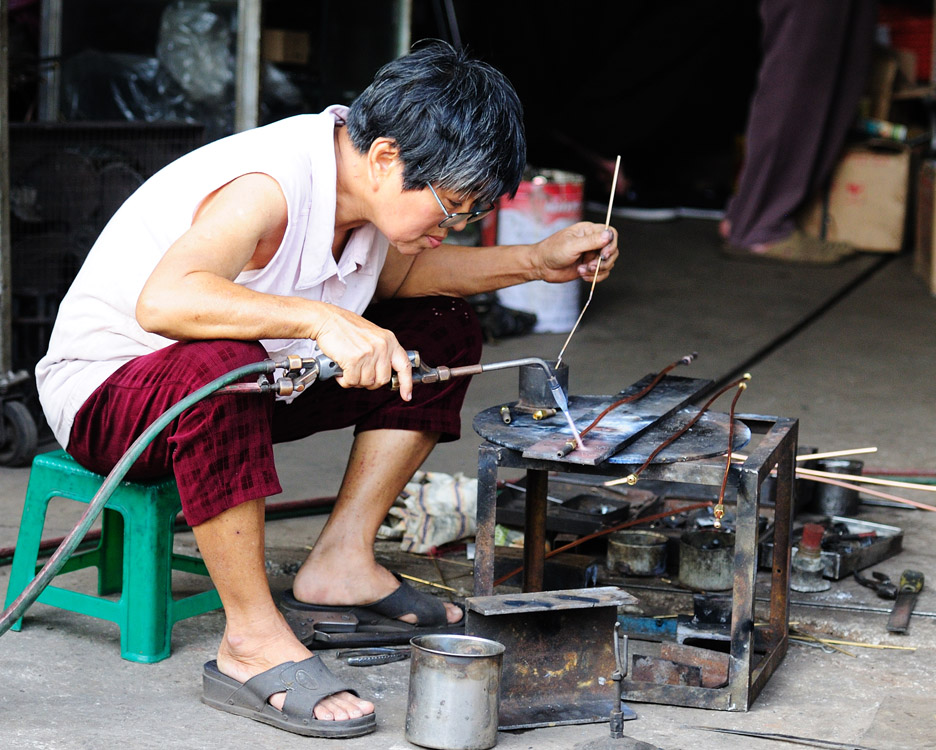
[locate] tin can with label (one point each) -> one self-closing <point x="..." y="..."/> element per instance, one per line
<point x="546" y="202"/>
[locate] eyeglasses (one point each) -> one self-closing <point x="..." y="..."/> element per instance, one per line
<point x="451" y="219"/>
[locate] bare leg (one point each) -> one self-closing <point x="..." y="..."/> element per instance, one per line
<point x="341" y="569"/>
<point x="256" y="637"/>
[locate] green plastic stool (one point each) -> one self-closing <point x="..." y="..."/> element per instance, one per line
<point x="134" y="556"/>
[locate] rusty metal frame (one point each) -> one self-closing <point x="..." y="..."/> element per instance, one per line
<point x="748" y="671"/>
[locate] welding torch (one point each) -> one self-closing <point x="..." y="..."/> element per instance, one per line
<point x="425" y="374"/>
<point x="301" y="372"/>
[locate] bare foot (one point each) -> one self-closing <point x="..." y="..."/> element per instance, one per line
<point x="241" y="658"/>
<point x="322" y="582"/>
<point x="724" y="229"/>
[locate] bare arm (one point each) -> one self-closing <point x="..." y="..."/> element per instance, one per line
<point x="462" y="271"/>
<point x="191" y="293"/>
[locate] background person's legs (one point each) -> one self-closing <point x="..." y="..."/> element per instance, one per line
<point x="814" y="69"/>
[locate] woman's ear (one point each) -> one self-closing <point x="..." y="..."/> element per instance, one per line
<point x="383" y="158"/>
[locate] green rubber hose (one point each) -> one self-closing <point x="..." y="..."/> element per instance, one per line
<point x="12" y="613"/>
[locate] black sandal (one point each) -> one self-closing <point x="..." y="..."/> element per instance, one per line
<point x="376" y="624"/>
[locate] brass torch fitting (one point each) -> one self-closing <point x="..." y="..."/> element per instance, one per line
<point x="566" y="449"/>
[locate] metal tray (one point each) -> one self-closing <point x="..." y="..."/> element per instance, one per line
<point x="839" y="564"/>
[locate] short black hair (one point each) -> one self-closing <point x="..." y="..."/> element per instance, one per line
<point x="457" y="122"/>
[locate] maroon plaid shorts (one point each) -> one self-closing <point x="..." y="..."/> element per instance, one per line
<point x="220" y="449"/>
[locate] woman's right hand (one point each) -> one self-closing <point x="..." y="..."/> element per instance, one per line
<point x="367" y="354"/>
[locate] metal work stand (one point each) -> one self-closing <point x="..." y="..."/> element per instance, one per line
<point x="774" y="450"/>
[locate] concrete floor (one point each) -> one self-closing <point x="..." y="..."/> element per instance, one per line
<point x="859" y="374"/>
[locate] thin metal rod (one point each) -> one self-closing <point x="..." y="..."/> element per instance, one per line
<point x="740" y="457"/>
<point x="836" y="454"/>
<point x="788" y="738"/>
<point x="860" y="479"/>
<point x="614" y="180"/>
<point x="427" y="583"/>
<point x="591" y="292"/>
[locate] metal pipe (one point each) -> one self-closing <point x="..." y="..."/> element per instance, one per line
<point x="505" y="365"/>
<point x="247" y="75"/>
<point x="402" y="22"/>
<point x="50" y="54"/>
<point x="534" y="530"/>
<point x="6" y="304"/>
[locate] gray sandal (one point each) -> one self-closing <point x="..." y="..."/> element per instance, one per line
<point x="305" y="683"/>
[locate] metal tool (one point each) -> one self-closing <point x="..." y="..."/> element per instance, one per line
<point x="299" y="373"/>
<point x="911" y="584"/>
<point x="616" y="720"/>
<point x="903" y="594"/>
<point x="302" y="372"/>
<point x="424" y="374"/>
<point x="880" y="583"/>
<point x="370" y="657"/>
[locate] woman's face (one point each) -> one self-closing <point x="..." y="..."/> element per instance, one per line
<point x="410" y="218"/>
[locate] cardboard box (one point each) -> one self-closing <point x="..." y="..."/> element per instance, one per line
<point x="284" y="46"/>
<point x="923" y="251"/>
<point x="866" y="202"/>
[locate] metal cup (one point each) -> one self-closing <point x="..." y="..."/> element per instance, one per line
<point x="636" y="552"/>
<point x="454" y="692"/>
<point x="830" y="500"/>
<point x="534" y="385"/>
<point x="706" y="560"/>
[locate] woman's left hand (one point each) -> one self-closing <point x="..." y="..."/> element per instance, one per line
<point x="573" y="253"/>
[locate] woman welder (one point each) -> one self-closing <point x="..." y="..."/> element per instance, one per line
<point x="316" y="233"/>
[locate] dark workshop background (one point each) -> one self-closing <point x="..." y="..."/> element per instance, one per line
<point x="665" y="84"/>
